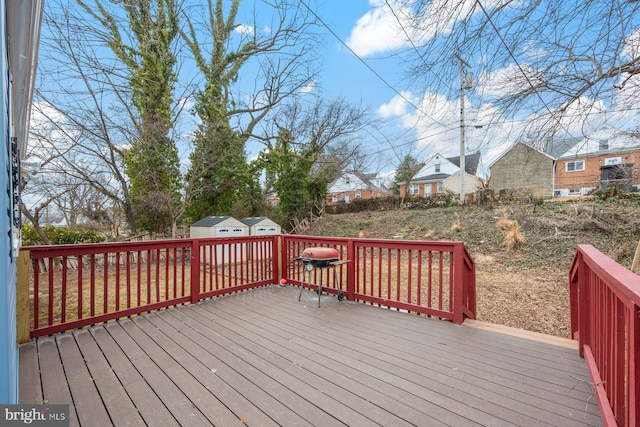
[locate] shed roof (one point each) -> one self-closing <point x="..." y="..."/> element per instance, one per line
<point x="253" y="220"/>
<point x="210" y="221"/>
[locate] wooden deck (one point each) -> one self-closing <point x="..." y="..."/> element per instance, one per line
<point x="261" y="358"/>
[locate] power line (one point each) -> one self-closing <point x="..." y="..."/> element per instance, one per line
<point x="510" y="52"/>
<point x="382" y="79"/>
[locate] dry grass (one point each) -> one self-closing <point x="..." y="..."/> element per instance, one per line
<point x="456" y="226"/>
<point x="513" y="236"/>
<point x="525" y="285"/>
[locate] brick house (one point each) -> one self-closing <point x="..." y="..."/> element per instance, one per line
<point x="440" y="174"/>
<point x="356" y="185"/>
<point x="608" y="156"/>
<point x="571" y="166"/>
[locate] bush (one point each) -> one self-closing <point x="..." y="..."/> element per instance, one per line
<point x="60" y="236"/>
<point x="366" y="205"/>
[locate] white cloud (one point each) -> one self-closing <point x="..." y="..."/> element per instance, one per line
<point x="396" y="107"/>
<point x="507" y="80"/>
<point x="388" y="25"/>
<point x="308" y="88"/>
<point x="378" y="30"/>
<point x="631" y="48"/>
<point x="244" y="29"/>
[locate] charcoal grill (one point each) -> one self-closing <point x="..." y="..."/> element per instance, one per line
<point x="321" y="258"/>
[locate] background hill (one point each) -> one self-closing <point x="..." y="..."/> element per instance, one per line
<point x="522" y="252"/>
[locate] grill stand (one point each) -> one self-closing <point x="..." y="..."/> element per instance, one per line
<point x="308" y="269"/>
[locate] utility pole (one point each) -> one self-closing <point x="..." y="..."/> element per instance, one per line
<point x="465" y="83"/>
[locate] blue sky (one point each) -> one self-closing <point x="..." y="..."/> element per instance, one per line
<point x="373" y="32"/>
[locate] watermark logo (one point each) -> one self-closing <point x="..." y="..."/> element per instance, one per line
<point x="34" y="415"/>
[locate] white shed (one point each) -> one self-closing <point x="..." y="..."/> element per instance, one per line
<point x="221" y="226"/>
<point x="261" y="226"/>
<point x="218" y="226"/>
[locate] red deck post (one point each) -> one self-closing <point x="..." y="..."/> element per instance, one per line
<point x="583" y="289"/>
<point x="458" y="283"/>
<point x="195" y="271"/>
<point x="351" y="270"/>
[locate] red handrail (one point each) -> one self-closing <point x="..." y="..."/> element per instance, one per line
<point x="605" y="318"/>
<point x="433" y="278"/>
<point x="79" y="285"/>
<point x="112" y="280"/>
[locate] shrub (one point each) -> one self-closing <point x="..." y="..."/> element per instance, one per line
<point x="60" y="236"/>
<point x="513" y="235"/>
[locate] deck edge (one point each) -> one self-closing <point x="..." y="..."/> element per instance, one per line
<point x="523" y="333"/>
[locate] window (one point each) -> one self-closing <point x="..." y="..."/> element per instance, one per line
<point x="612" y="161"/>
<point x="334" y="198"/>
<point x="358" y="195"/>
<point x="603" y="145"/>
<point x="441" y="187"/>
<point x="414" y="189"/>
<point x="578" y="165"/>
<point x="437" y="167"/>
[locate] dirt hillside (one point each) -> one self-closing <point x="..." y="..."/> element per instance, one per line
<point x="522" y="251"/>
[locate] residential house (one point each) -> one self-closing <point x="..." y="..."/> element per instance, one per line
<point x="356" y="185"/>
<point x="523" y="167"/>
<point x="19" y="38"/>
<point x="607" y="156"/>
<point x="570" y="166"/>
<point x="440" y="174"/>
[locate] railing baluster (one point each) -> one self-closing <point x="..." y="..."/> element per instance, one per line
<point x="236" y="264"/>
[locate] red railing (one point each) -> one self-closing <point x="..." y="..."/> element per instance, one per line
<point x="77" y="285"/>
<point x="73" y="286"/>
<point x="434" y="278"/>
<point x="605" y="318"/>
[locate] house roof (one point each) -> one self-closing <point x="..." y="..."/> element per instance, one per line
<point x="432" y="177"/>
<point x="210" y="221"/>
<point x="604" y="141"/>
<point x="471" y="162"/>
<point x="557" y="147"/>
<point x="352" y="181"/>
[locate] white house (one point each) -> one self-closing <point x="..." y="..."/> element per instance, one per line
<point x="440" y="174"/>
<point x="19" y="38"/>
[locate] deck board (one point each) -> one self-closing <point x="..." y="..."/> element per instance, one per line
<point x="262" y="358"/>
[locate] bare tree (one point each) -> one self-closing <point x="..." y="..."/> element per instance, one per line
<point x="306" y="155"/>
<point x="225" y="46"/>
<point x="549" y="63"/>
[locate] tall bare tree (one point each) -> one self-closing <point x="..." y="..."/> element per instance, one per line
<point x="313" y="146"/>
<point x="547" y="62"/>
<point x="271" y="48"/>
<point x="142" y="35"/>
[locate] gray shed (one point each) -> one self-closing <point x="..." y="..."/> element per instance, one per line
<point x="221" y="226"/>
<point x="261" y="226"/>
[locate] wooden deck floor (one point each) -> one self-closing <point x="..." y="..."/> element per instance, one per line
<point x="261" y="358"/>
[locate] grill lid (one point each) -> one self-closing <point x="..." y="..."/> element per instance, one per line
<point x="319" y="254"/>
